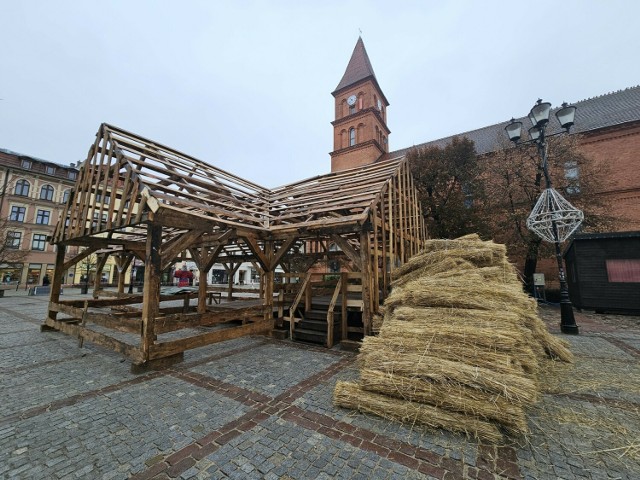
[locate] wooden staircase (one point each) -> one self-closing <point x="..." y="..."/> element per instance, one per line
<point x="314" y="327"/>
<point x="322" y="317"/>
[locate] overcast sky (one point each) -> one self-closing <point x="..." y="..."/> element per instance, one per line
<point x="246" y="85"/>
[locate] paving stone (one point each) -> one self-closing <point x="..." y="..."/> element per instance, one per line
<point x="69" y="432"/>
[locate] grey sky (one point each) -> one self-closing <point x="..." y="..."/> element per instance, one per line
<point x="246" y="86"/>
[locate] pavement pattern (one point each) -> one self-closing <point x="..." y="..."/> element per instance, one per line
<point x="260" y="408"/>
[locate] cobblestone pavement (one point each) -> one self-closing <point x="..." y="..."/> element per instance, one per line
<point x="259" y="408"/>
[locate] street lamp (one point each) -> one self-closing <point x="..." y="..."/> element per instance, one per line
<point x="553" y="218"/>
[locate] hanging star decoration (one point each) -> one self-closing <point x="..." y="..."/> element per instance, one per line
<point x="552" y="208"/>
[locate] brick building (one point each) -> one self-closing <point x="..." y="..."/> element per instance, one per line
<point x="609" y="125"/>
<point x="31" y="197"/>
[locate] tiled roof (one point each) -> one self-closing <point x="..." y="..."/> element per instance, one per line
<point x="359" y="67"/>
<point x="607" y="110"/>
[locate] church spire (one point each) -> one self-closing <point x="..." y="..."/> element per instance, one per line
<point x="358" y="69"/>
<point x="360" y="132"/>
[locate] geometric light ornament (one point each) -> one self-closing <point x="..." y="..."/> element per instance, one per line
<point x="552" y="207"/>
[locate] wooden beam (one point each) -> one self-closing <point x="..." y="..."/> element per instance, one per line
<point x="58" y="277"/>
<point x="176" y="346"/>
<point x="170" y="250"/>
<point x="79" y="257"/>
<point x="252" y="243"/>
<point x="348" y="250"/>
<point x="101" y="339"/>
<point x="151" y="293"/>
<point x="286" y="245"/>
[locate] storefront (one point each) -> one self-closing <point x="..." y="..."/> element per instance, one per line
<point x="11" y="272"/>
<point x="34" y="274"/>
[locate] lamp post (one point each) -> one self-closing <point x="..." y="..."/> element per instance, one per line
<point x="553" y="218"/>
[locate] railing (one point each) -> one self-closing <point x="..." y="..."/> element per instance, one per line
<point x="332" y="306"/>
<point x="339" y="292"/>
<point x="294" y="306"/>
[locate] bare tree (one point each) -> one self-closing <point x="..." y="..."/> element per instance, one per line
<point x="513" y="181"/>
<point x="10" y="251"/>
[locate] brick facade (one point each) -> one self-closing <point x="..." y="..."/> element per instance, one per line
<point x="609" y="125"/>
<point x="360" y="132"/>
<point x="619" y="148"/>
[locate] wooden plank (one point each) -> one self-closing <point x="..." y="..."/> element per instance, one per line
<point x="115" y="322"/>
<point x="175" y="322"/>
<point x="166" y="349"/>
<point x="101" y="339"/>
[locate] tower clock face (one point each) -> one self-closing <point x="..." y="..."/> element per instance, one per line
<point x="351" y="100"/>
<point x="379" y="105"/>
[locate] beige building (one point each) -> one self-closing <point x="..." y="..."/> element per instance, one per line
<point x="32" y="192"/>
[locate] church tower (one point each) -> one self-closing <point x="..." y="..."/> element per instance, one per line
<point x="360" y="132"/>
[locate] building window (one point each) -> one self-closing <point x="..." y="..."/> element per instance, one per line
<point x="625" y="271"/>
<point x="22" y="188"/>
<point x="352" y="109"/>
<point x="46" y="192"/>
<point x="572" y="175"/>
<point x="26" y="164"/>
<point x="39" y="242"/>
<point x="17" y="214"/>
<point x="352" y="137"/>
<point x="42" y="217"/>
<point x="65" y="196"/>
<point x="50" y="170"/>
<point x="13" y="239"/>
<point x="72" y="175"/>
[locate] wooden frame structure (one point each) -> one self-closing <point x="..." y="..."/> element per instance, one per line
<point x="137" y="198"/>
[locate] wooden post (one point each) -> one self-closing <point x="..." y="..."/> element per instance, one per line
<point x="366" y="281"/>
<point x="151" y="292"/>
<point x="231" y="270"/>
<point x="202" y="290"/>
<point x="269" y="280"/>
<point x="102" y="260"/>
<point x="122" y="264"/>
<point x="58" y="276"/>
<point x="345" y="290"/>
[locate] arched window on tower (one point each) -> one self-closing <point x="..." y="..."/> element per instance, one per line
<point x="352" y="137"/>
<point x="360" y="102"/>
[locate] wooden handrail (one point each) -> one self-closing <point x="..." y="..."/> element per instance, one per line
<point x="332" y="306"/>
<point x="296" y="302"/>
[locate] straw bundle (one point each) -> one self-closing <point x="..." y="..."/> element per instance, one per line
<point x="351" y="395"/>
<point x="460" y="346"/>
<point x="450" y="396"/>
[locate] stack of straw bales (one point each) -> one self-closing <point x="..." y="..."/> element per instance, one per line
<point x="460" y="346"/>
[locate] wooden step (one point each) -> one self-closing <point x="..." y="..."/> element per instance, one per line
<point x="320" y="315"/>
<point x="311" y="324"/>
<point x="312" y="336"/>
